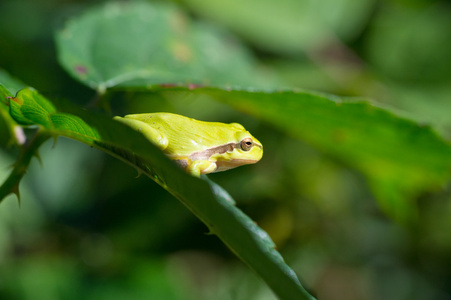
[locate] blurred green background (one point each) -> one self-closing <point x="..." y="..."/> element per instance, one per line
<point x="87" y="228"/>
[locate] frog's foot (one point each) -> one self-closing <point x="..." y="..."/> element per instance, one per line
<point x="196" y="168"/>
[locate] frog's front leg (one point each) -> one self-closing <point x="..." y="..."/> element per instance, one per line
<point x="198" y="167"/>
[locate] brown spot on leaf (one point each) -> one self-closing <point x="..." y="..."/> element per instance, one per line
<point x="82" y="70"/>
<point x="193" y="86"/>
<point x="17" y="100"/>
<point x="168" y="85"/>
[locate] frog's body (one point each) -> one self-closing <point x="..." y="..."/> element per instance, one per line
<point x="199" y="147"/>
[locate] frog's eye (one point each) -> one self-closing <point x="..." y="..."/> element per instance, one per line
<point x="246" y="144"/>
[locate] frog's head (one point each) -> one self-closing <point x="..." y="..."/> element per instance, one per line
<point x="242" y="149"/>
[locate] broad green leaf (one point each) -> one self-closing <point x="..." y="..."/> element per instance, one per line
<point x="287" y="26"/>
<point x="400" y="158"/>
<point x="209" y="202"/>
<point x="142" y="44"/>
<point x="429" y="104"/>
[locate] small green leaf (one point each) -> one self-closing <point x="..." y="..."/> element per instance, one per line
<point x="73" y="126"/>
<point x="9" y="134"/>
<point x="30" y="108"/>
<point x="141" y="44"/>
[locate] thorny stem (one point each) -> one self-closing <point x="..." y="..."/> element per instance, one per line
<point x="28" y="150"/>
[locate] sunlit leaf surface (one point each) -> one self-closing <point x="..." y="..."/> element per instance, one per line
<point x="125" y="44"/>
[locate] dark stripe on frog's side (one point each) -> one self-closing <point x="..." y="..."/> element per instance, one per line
<point x="182" y="163"/>
<point x="207" y="153"/>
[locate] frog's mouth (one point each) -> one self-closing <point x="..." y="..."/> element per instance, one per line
<point x="225" y="165"/>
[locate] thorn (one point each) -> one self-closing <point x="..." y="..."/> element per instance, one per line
<point x="55" y="140"/>
<point x="15" y="190"/>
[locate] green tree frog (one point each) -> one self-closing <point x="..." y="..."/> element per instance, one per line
<point x="196" y="146"/>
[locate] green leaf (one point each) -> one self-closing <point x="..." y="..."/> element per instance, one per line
<point x="30" y="108"/>
<point x="209" y="202"/>
<point x="429" y="104"/>
<point x="10" y="134"/>
<point x="143" y="44"/>
<point x="400" y="158"/>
